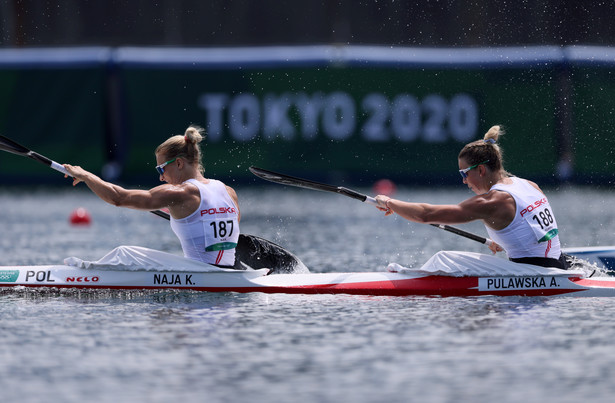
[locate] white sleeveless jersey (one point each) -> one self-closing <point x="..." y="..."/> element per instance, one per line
<point x="210" y="234"/>
<point x="533" y="232"/>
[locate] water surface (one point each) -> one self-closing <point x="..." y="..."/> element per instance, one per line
<point x="158" y="346"/>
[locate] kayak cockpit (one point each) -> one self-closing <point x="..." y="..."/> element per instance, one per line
<point x="471" y="264"/>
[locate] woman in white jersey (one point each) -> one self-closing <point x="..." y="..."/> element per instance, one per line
<point x="204" y="212"/>
<point x="515" y="211"/>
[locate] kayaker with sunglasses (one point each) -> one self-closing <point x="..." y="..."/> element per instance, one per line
<point x="204" y="212"/>
<point x="515" y="211"/>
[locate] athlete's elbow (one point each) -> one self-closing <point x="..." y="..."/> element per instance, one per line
<point x="429" y="218"/>
<point x="423" y="220"/>
<point x="117" y="200"/>
<point x="416" y="218"/>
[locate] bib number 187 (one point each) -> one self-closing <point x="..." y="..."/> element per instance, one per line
<point x="222" y="229"/>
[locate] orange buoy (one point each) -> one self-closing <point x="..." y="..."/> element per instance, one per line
<point x="80" y="216"/>
<point x="384" y="187"/>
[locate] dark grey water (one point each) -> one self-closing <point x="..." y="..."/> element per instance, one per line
<point x="159" y="346"/>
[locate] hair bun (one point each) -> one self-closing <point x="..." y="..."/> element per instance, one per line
<point x="193" y="135"/>
<point x="493" y="134"/>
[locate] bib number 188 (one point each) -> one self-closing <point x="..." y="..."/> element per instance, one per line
<point x="544" y="218"/>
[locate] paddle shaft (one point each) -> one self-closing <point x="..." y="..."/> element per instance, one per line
<point x="10" y="146"/>
<point x="463" y="233"/>
<point x="308" y="184"/>
<point x="13" y="147"/>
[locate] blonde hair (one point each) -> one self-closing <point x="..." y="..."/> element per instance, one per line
<point x="487" y="149"/>
<point x="186" y="146"/>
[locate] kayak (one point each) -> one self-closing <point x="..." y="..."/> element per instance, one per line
<point x="447" y="274"/>
<point x="368" y="283"/>
<point x="262" y="266"/>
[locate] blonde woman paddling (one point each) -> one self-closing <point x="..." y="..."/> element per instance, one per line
<point x="515" y="211"/>
<point x="204" y="212"/>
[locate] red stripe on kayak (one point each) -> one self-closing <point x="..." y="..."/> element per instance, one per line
<point x="375" y="289"/>
<point x="588" y="282"/>
<point x="401" y="291"/>
<point x="424" y="286"/>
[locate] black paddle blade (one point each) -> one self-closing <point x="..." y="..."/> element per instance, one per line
<point x="291" y="180"/>
<point x="305" y="183"/>
<point x="259" y="253"/>
<point x="10" y="146"/>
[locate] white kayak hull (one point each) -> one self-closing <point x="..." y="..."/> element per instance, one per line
<point x="213" y="279"/>
<point x="368" y="283"/>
